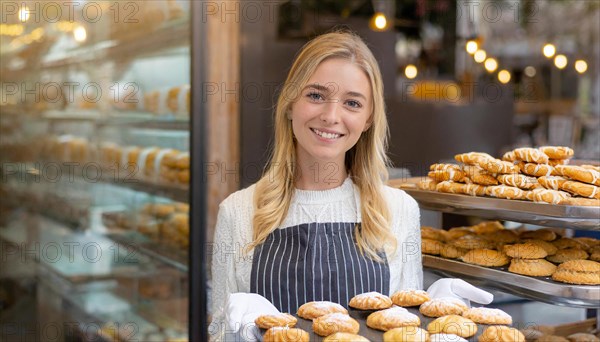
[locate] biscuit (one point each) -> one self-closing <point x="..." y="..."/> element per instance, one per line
<point x="540" y="234"/>
<point x="583" y="337"/>
<point x="497" y="166"/>
<point x="488" y="316"/>
<point x="550" y="196"/>
<point x="532" y="267"/>
<point x="277" y="320"/>
<point x="579" y="173"/>
<point x="557" y="152"/>
<point x="519" y="181"/>
<point x="487" y="227"/>
<point x="581" y="189"/>
<point x="501" y="333"/>
<point x="438" y="307"/>
<point x="345" y="337"/>
<point x="580" y="201"/>
<point x="547" y="246"/>
<point x="432" y="247"/>
<point x="446" y="175"/>
<point x="552" y="182"/>
<point x="486" y="257"/>
<point x="394" y="317"/>
<point x="505" y="191"/>
<point x="564" y="255"/>
<point x="453" y="324"/>
<point x="284" y="334"/>
<point x="472" y="157"/>
<point x="433" y="233"/>
<point x="406" y="334"/>
<point x="478" y="176"/>
<point x="427" y="184"/>
<point x="451" y="252"/>
<point x="525" y="251"/>
<point x="370" y="301"/>
<point x="410" y="297"/>
<point x="471" y="242"/>
<point x="446" y="338"/>
<point x="531" y="155"/>
<point x="335" y="322"/>
<point x="312" y="310"/>
<point x="563" y="243"/>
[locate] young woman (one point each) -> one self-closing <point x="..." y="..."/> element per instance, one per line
<point x="321" y="224"/>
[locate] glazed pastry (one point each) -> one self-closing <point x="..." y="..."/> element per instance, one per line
<point x="451" y="252"/>
<point x="447" y="175"/>
<point x="531" y="155"/>
<point x="472" y="157"/>
<point x="584" y="272"/>
<point x="410" y="297"/>
<point x="538" y="170"/>
<point x="394" y="317"/>
<point x="432" y="247"/>
<point x="556" y="162"/>
<point x="438" y="307"/>
<point x="284" y="334"/>
<point x="450" y="187"/>
<point x="519" y="181"/>
<point x="278" y="320"/>
<point x="370" y="301"/>
<point x="312" y="310"/>
<point x="591" y="167"/>
<point x="498" y="166"/>
<point x="500" y="333"/>
<point x="444" y="167"/>
<point x="433" y="233"/>
<point x="478" y="176"/>
<point x="532" y="267"/>
<point x="563" y="255"/>
<point x="345" y="337"/>
<point x="557" y="152"/>
<point x="474" y="189"/>
<point x="427" y="184"/>
<point x="509" y="156"/>
<point x="453" y="324"/>
<point x="579" y="201"/>
<point x="579" y="173"/>
<point x="335" y="322"/>
<point x="540" y="234"/>
<point x="525" y="251"/>
<point x="486" y="257"/>
<point x="406" y="334"/>
<point x="547" y="246"/>
<point x="504" y="191"/>
<point x="550" y="196"/>
<point x="488" y="316"/>
<point x="581" y="189"/>
<point x="552" y="182"/>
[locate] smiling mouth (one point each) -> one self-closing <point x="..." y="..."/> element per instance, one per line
<point x="326" y="135"/>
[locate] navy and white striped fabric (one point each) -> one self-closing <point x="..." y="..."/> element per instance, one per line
<point x="315" y="262"/>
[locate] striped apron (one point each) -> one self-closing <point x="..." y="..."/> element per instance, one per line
<point x="315" y="262"/>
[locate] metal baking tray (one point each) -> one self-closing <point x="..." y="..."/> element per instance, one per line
<point x="563" y="216"/>
<point x="542" y="289"/>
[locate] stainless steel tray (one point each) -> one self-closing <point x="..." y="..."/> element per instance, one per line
<point x="543" y="289"/>
<point x="564" y="216"/>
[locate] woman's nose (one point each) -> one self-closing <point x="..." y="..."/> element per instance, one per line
<point x="330" y="114"/>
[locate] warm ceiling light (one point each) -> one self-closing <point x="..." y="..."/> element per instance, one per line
<point x="24" y="14"/>
<point x="560" y="61"/>
<point x="471" y="47"/>
<point x="491" y="64"/>
<point x="410" y="71"/>
<point x="480" y="56"/>
<point x="581" y="66"/>
<point x="504" y="76"/>
<point x="549" y="50"/>
<point x="80" y="34"/>
<point x="529" y="71"/>
<point x="379" y="21"/>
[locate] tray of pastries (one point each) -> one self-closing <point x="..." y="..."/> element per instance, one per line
<point x="538" y="264"/>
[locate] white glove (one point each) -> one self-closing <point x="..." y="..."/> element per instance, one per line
<point x="460" y="289"/>
<point x="242" y="310"/>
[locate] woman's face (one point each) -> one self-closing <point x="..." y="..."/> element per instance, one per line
<point x="332" y="112"/>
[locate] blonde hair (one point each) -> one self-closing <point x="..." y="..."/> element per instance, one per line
<point x="366" y="161"/>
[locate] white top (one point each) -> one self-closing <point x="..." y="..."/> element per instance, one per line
<point x="231" y="266"/>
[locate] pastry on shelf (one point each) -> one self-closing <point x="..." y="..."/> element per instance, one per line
<point x="394" y="317"/>
<point x="335" y="322"/>
<point x="532" y="267"/>
<point x="406" y="298"/>
<point x="370" y="301"/>
<point x="586" y="272"/>
<point x="453" y="324"/>
<point x="312" y="310"/>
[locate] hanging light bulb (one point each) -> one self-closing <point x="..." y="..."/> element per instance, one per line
<point x="560" y="61"/>
<point x="549" y="50"/>
<point x="581" y="66"/>
<point x="379" y="22"/>
<point x="471" y="47"/>
<point x="480" y="56"/>
<point x="410" y="71"/>
<point x="491" y="64"/>
<point x="504" y="76"/>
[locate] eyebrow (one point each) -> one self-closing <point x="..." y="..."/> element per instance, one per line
<point x="328" y="90"/>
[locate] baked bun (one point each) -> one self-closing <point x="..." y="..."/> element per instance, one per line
<point x="564" y="255"/>
<point x="547" y="246"/>
<point x="410" y="297"/>
<point x="540" y="234"/>
<point x="453" y="324"/>
<point x="284" y="334"/>
<point x="586" y="272"/>
<point x="312" y="310"/>
<point x="488" y="316"/>
<point x="345" y="337"/>
<point x="438" y="307"/>
<point x="525" y="251"/>
<point x="433" y="233"/>
<point x="486" y="257"/>
<point x="499" y="333"/>
<point x="406" y="334"/>
<point x="370" y="301"/>
<point x="335" y="322"/>
<point x="429" y="246"/>
<point x="446" y="338"/>
<point x="532" y="267"/>
<point x="394" y="317"/>
<point x="277" y="320"/>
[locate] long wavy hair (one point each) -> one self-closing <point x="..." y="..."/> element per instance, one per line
<point x="366" y="162"/>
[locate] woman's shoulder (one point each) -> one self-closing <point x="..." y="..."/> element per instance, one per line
<point x="240" y="199"/>
<point x="398" y="198"/>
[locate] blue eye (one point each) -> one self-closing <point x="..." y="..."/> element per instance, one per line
<point x="314" y="96"/>
<point x="354" y="104"/>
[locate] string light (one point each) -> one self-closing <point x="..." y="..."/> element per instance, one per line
<point x="581" y="66"/>
<point x="480" y="56"/>
<point x="491" y="64"/>
<point x="549" y="50"/>
<point x="379" y="22"/>
<point x="410" y="71"/>
<point x="504" y="76"/>
<point x="560" y="61"/>
<point x="471" y="47"/>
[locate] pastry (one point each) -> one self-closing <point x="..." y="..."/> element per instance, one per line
<point x="471" y="242"/>
<point x="584" y="272"/>
<point x="451" y="252"/>
<point x="532" y="267"/>
<point x="583" y="337"/>
<point x="501" y="236"/>
<point x="551" y="338"/>
<point x="450" y="187"/>
<point x="531" y="155"/>
<point x="456" y="232"/>
<point x="394" y="317"/>
<point x="579" y="173"/>
<point x="446" y="338"/>
<point x="406" y="334"/>
<point x="183" y="161"/>
<point x="312" y="310"/>
<point x="547" y="246"/>
<point x="500" y="333"/>
<point x="453" y="324"/>
<point x="370" y="301"/>
<point x="427" y="184"/>
<point x="540" y="234"/>
<point x="556" y="162"/>
<point x="486" y="257"/>
<point x="531" y="334"/>
<point x="345" y="337"/>
<point x="487" y="227"/>
<point x="550" y="196"/>
<point x="591" y="167"/>
<point x="509" y="156"/>
<point x="335" y="322"/>
<point x="497" y="166"/>
<point x="552" y="182"/>
<point x="589" y="241"/>
<point x="438" y="307"/>
<point x="581" y="189"/>
<point x="579" y="201"/>
<point x="277" y="320"/>
<point x="446" y="175"/>
<point x="505" y="191"/>
<point x="472" y="157"/>
<point x="563" y="255"/>
<point x="410" y="297"/>
<point x="285" y="334"/>
<point x="478" y="176"/>
<point x="433" y="233"/>
<point x="444" y="167"/>
<point x="474" y="189"/>
<point x="525" y="251"/>
<point x="488" y="316"/>
<point x="519" y="181"/>
<point x="563" y="243"/>
<point x="557" y="152"/>
<point x="538" y="170"/>
<point x="432" y="247"/>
